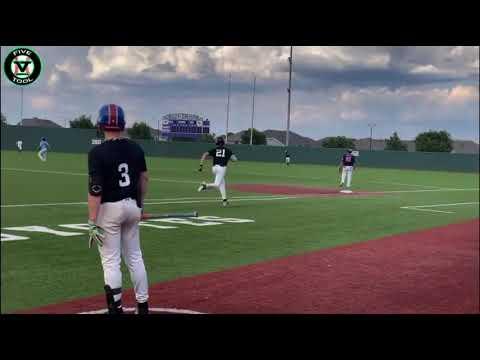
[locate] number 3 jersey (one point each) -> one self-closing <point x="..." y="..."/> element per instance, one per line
<point x="114" y="169"/>
<point x="221" y="156"/>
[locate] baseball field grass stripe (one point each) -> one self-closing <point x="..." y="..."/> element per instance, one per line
<point x="152" y="201"/>
<point x="427" y="190"/>
<point x="403" y="184"/>
<point x="85" y="174"/>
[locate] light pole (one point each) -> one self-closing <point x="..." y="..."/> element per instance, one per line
<point x="228" y="106"/>
<point x="21" y="105"/>
<point x="253" y="110"/>
<point x="290" y="60"/>
<point x="371" y="132"/>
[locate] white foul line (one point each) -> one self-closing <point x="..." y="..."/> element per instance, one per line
<point x="454" y="204"/>
<point x="438" y="211"/>
<point x="422" y="207"/>
<point x="167" y="201"/>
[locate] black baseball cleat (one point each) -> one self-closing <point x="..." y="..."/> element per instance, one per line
<point x="342" y="185"/>
<point x="142" y="308"/>
<point x="202" y="187"/>
<point x="114" y="307"/>
<point x="224" y="202"/>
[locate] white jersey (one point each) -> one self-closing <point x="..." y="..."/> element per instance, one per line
<point x="19" y="144"/>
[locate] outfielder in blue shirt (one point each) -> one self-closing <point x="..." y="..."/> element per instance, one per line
<point x="44" y="147"/>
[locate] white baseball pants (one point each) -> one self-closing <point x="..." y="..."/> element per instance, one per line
<point x="219" y="172"/>
<point x="347" y="173"/>
<point x="42" y="154"/>
<point x="122" y="238"/>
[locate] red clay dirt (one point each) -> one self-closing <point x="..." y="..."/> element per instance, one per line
<point x="294" y="190"/>
<point x="428" y="271"/>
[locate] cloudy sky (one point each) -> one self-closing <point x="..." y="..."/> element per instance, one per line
<point x="337" y="90"/>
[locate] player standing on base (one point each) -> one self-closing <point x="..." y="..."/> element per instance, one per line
<point x="118" y="182"/>
<point x="44" y="146"/>
<point x="347" y="165"/>
<point x="221" y="155"/>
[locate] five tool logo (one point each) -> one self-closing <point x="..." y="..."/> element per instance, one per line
<point x="22" y="66"/>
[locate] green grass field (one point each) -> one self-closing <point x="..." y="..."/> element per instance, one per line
<point x="47" y="268"/>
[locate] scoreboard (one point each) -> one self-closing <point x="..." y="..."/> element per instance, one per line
<point x="184" y="125"/>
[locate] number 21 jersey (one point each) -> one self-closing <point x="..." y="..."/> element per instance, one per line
<point x="221" y="156"/>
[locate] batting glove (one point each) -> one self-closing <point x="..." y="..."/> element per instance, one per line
<point x="95" y="233"/>
<point x="200" y="168"/>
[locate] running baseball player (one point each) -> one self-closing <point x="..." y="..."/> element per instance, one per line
<point x="221" y="156"/>
<point x="118" y="182"/>
<point x="346" y="167"/>
<point x="44" y="146"/>
<point x="20" y="145"/>
<point x="287" y="158"/>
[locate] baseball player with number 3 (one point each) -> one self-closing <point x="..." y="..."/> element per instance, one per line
<point x="118" y="183"/>
<point x="221" y="156"/>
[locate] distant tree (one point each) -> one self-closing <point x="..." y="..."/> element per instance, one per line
<point x="82" y="122"/>
<point x="140" y="130"/>
<point x="259" y="138"/>
<point x="434" y="141"/>
<point x="3" y="119"/>
<point x="395" y="144"/>
<point x="207" y="138"/>
<point x="341" y="142"/>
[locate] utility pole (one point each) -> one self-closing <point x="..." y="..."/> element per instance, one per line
<point x="228" y="105"/>
<point x="253" y="110"/>
<point x="21" y="105"/>
<point x="371" y="133"/>
<point x="290" y="60"/>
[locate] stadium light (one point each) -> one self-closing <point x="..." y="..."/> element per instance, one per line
<point x="21" y="105"/>
<point x="371" y="133"/>
<point x="228" y="105"/>
<point x="290" y="60"/>
<point x="253" y="110"/>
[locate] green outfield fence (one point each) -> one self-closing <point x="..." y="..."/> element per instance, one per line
<point x="80" y="141"/>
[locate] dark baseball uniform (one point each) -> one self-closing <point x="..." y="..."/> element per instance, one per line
<point x="348" y="162"/>
<point x="114" y="169"/>
<point x="221" y="157"/>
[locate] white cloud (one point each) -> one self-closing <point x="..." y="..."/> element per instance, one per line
<point x="425" y="69"/>
<point x="462" y="94"/>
